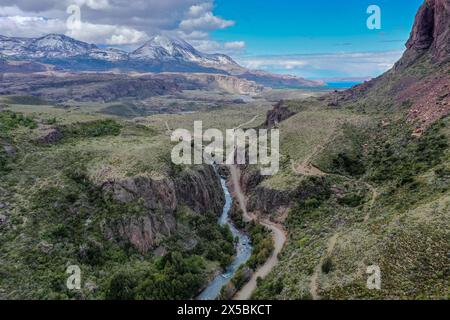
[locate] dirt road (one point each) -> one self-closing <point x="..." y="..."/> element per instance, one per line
<point x="278" y="234"/>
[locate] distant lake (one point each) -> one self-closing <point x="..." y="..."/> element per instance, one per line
<point x="342" y="85"/>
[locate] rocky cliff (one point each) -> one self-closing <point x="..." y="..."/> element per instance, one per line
<point x="260" y="198"/>
<point x="431" y="31"/>
<point x="229" y="84"/>
<point x="199" y="189"/>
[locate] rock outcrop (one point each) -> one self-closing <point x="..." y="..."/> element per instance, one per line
<point x="431" y="30"/>
<point x="260" y="198"/>
<point x="277" y="114"/>
<point x="229" y="84"/>
<point x="49" y="135"/>
<point x="198" y="189"/>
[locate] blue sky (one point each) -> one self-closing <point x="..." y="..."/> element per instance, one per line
<point x="319" y="26"/>
<point x="300" y="30"/>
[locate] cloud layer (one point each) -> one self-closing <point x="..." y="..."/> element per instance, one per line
<point x="116" y="22"/>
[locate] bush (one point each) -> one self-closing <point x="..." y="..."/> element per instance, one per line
<point x="327" y="265"/>
<point x="10" y="120"/>
<point x="351" y="200"/>
<point x="122" y="286"/>
<point x="91" y="129"/>
<point x="350" y="164"/>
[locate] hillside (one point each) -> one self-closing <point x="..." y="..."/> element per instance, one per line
<point x="365" y="181"/>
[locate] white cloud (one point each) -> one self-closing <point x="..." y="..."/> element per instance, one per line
<point x="343" y="64"/>
<point x="200" y="9"/>
<point x="235" y="45"/>
<point x="207" y="46"/>
<point x="107" y="34"/>
<point x="23" y="26"/>
<point x="198" y="22"/>
<point x="207" y="22"/>
<point x="10" y="11"/>
<point x="93" y="4"/>
<point x="201" y="18"/>
<point x="194" y="35"/>
<point x="119" y="22"/>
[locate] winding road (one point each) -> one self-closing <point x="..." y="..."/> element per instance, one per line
<point x="278" y="234"/>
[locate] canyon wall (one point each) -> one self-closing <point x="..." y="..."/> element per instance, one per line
<point x="199" y="189"/>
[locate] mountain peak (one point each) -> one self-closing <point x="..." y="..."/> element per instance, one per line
<point x="431" y="30"/>
<point x="58" y="45"/>
<point x="164" y="47"/>
<point x="169" y="43"/>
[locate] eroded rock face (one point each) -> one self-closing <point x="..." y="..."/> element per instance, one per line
<point x="431" y="30"/>
<point x="277" y="114"/>
<point x="422" y="33"/>
<point x="261" y="199"/>
<point x="198" y="189"/>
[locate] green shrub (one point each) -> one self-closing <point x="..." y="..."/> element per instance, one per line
<point x="351" y="200"/>
<point x="122" y="286"/>
<point x="91" y="129"/>
<point x="327" y="265"/>
<point x="11" y="120"/>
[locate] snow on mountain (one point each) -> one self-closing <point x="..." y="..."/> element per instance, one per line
<point x="161" y="53"/>
<point x="108" y="54"/>
<point x="49" y="46"/>
<point x="164" y="48"/>
<point x="13" y="46"/>
<point x="58" y="46"/>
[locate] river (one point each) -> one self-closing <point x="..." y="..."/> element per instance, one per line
<point x="243" y="250"/>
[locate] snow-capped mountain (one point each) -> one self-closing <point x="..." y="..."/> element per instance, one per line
<point x="13" y="46"/>
<point x="49" y="46"/>
<point x="159" y="54"/>
<point x="58" y="46"/>
<point x="165" y="49"/>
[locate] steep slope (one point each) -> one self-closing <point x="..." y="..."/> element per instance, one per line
<point x="431" y="31"/>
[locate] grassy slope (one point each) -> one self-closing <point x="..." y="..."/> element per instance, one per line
<point x="385" y="198"/>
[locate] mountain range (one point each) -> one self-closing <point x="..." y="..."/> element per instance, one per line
<point x="159" y="54"/>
